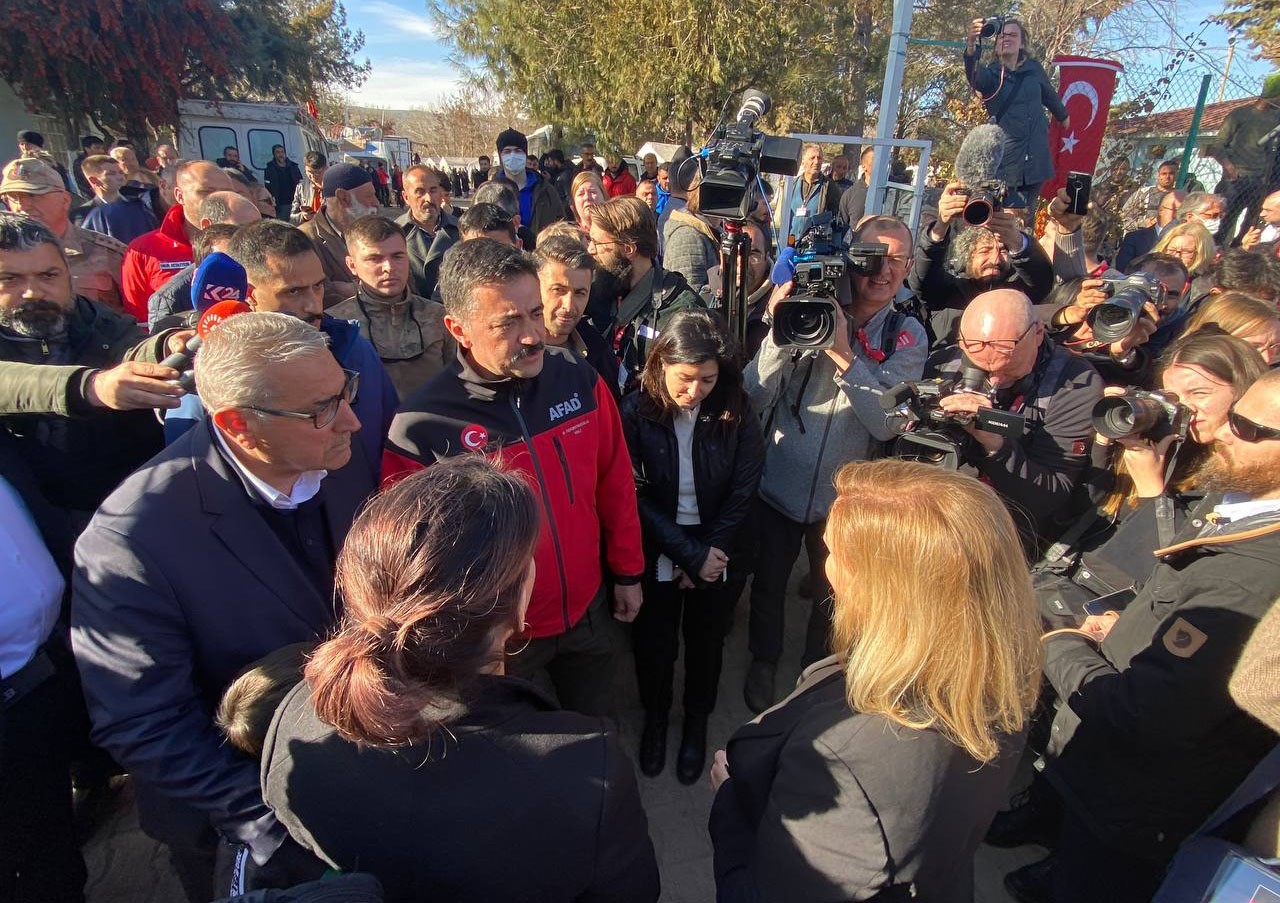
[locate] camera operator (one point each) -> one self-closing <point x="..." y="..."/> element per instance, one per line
<point x="1027" y="373"/>
<point x="1146" y="740"/>
<point x="1013" y="87"/>
<point x="1119" y="361"/>
<point x="822" y="410"/>
<point x="952" y="267"/>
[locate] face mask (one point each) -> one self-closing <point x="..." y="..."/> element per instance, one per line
<point x="1212" y="225"/>
<point x="514" y="164"/>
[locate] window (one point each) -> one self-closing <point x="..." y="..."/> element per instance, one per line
<point x="214" y="139"/>
<point x="260" y="143"/>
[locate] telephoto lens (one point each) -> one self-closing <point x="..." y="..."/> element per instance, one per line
<point x="1115" y="318"/>
<point x="1142" y="414"/>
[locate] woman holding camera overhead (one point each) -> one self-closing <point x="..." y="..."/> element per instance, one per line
<point x="1013" y="88"/>
<point x="877" y="777"/>
<point x="697" y="453"/>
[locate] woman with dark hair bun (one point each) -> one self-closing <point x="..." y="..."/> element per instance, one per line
<point x="697" y="453"/>
<point x="407" y="753"/>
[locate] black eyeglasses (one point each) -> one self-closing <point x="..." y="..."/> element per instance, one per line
<point x="1245" y="429"/>
<point x="328" y="410"/>
<point x="1003" y="346"/>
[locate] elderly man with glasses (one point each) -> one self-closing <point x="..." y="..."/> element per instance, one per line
<point x="1025" y="372"/>
<point x="218" y="551"/>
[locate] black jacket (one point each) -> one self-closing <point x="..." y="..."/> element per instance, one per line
<point x="728" y="457"/>
<point x="1147" y="741"/>
<point x="825" y="804"/>
<point x="644" y="311"/>
<point x="1134" y="245"/>
<point x="515" y="800"/>
<point x="281" y="179"/>
<point x="426" y="252"/>
<point x="1037" y="474"/>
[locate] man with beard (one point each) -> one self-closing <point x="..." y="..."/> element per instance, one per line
<point x="564" y="276"/>
<point x="348" y="194"/>
<point x="547" y="414"/>
<point x="1146" y="741"/>
<point x="624" y="242"/>
<point x="428" y="230"/>
<point x="952" y="267"/>
<point x="77" y="380"/>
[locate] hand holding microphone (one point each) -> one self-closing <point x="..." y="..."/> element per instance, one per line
<point x="219" y="283"/>
<point x="183" y="360"/>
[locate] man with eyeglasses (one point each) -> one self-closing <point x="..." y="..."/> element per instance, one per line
<point x="286" y="276"/>
<point x="1026" y="372"/>
<point x="823" y="410"/>
<point x="1140" y="241"/>
<point x="216" y="552"/>
<point x="624" y="242"/>
<point x="1147" y="741"/>
<point x="406" y="329"/>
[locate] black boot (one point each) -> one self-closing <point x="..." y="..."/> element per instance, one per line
<point x="693" y="749"/>
<point x="1032" y="883"/>
<point x="653" y="744"/>
<point x="758" y="689"/>
<point x="1035" y="818"/>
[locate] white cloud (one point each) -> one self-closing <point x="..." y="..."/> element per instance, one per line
<point x="383" y="21"/>
<point x="401" y="84"/>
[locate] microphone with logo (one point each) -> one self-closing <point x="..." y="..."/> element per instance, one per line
<point x="219" y="281"/>
<point x="977" y="169"/>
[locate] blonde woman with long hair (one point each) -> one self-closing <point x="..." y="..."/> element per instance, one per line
<point x="882" y="771"/>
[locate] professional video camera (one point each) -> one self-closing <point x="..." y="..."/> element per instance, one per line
<point x="1141" y="414"/>
<point x="737" y="154"/>
<point x="992" y="27"/>
<point x="808" y="318"/>
<point x="1115" y="318"/>
<point x="931" y="435"/>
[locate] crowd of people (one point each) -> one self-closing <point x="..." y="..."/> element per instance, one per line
<point x="342" y="575"/>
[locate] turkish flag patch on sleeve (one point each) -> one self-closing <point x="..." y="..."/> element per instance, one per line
<point x="905" y="340"/>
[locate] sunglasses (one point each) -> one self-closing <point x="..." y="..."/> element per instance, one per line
<point x="1248" y="431"/>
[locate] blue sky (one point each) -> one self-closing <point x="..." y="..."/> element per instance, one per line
<point x="410" y="65"/>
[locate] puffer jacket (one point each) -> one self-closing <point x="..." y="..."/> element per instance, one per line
<point x="689" y="247"/>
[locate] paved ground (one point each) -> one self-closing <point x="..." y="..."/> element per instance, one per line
<point x="125" y="866"/>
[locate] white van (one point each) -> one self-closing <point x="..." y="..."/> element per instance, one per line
<point x="206" y="128"/>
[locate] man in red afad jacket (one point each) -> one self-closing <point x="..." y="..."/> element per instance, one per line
<point x="547" y="414"/>
<point x="155" y="257"/>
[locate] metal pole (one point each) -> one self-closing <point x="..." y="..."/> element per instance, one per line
<point x="1195" y="131"/>
<point x="890" y="98"/>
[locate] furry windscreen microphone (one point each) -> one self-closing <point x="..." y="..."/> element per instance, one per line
<point x="218" y="278"/>
<point x="980" y="155"/>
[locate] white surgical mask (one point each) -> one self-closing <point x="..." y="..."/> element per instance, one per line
<point x="1212" y="224"/>
<point x="513" y="164"/>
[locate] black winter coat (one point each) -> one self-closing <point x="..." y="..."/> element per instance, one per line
<point x="728" y="457"/>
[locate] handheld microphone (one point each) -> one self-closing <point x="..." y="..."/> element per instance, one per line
<point x="182" y="360"/>
<point x="218" y="278"/>
<point x="785" y="269"/>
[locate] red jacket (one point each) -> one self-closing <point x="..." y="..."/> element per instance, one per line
<point x="152" y="259"/>
<point x="621" y="185"/>
<point x="562" y="432"/>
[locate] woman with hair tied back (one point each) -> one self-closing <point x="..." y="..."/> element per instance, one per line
<point x="877" y="777"/>
<point x="697" y="453"/>
<point x="407" y="753"/>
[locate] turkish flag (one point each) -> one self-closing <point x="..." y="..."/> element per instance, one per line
<point x="311" y="109"/>
<point x="1086" y="87"/>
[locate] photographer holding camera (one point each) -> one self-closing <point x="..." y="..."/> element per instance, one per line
<point x="1108" y="321"/>
<point x="821" y="409"/>
<point x="953" y="265"/>
<point x="1013" y="88"/>
<point x="1026" y="374"/>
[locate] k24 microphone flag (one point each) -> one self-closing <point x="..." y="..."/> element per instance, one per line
<point x="1086" y="88"/>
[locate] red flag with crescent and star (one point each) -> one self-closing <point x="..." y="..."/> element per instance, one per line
<point x="1086" y="87"/>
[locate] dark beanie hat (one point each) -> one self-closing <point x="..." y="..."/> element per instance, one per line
<point x="682" y="171"/>
<point x="89" y="140"/>
<point x="512" y="138"/>
<point x="30" y="137"/>
<point x="345" y="176"/>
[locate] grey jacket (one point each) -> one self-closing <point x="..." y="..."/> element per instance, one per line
<point x="816" y="420"/>
<point x="689" y="248"/>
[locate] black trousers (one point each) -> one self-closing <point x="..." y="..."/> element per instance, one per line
<point x="777" y="541"/>
<point x="1243" y="194"/>
<point x="40" y="859"/>
<point x="580" y="666"/>
<point x="705" y="616"/>
<point x="1088" y="869"/>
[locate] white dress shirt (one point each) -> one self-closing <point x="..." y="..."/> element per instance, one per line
<point x="30" y="584"/>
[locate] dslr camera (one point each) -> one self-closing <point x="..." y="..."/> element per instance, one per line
<point x="992" y="27"/>
<point x="985" y="198"/>
<point x="737" y="154"/>
<point x="1115" y="318"/>
<point x="932" y="435"/>
<point x="1141" y="414"/>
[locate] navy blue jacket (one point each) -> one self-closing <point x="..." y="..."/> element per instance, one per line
<point x="123" y="219"/>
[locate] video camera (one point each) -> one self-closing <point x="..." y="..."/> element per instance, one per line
<point x="1141" y="414"/>
<point x="737" y="154"/>
<point x="930" y="435"/>
<point x="1115" y="318"/>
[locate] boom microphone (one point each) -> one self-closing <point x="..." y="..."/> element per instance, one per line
<point x="754" y="105"/>
<point x="218" y="278"/>
<point x="214" y="315"/>
<point x="980" y="155"/>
